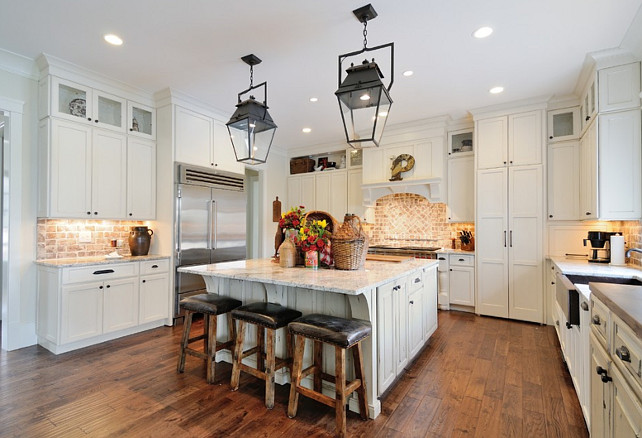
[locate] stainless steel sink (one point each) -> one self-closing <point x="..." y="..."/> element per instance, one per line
<point x="586" y="279"/>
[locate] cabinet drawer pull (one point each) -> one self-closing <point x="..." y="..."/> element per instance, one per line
<point x="584" y="306"/>
<point x="154" y="266"/>
<point x="396" y="287"/>
<point x="623" y="354"/>
<point x="596" y="320"/>
<point x="462" y="260"/>
<point x="442" y="258"/>
<point x="104" y="271"/>
<point x="412" y="302"/>
<point x="417" y="280"/>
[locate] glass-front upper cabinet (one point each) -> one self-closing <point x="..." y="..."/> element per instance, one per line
<point x="79" y="103"/>
<point x="141" y="120"/>
<point x="460" y="142"/>
<point x="588" y="106"/>
<point x="564" y="124"/>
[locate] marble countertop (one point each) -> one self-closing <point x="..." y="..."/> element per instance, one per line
<point x="624" y="301"/>
<point x="454" y="251"/>
<point x="330" y="280"/>
<point x="583" y="267"/>
<point x="99" y="260"/>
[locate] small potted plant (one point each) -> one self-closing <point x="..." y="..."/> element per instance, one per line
<point x="314" y="238"/>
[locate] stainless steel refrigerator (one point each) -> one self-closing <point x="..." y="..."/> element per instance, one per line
<point x="210" y="223"/>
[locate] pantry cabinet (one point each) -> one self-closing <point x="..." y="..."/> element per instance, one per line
<point x="619" y="87"/>
<point x="325" y="191"/>
<point x="141" y="179"/>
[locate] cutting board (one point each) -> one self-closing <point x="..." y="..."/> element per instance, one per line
<point x="388" y="258"/>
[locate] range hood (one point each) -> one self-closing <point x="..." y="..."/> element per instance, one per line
<point x="429" y="188"/>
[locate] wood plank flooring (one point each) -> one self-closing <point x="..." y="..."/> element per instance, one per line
<point x="478" y="376"/>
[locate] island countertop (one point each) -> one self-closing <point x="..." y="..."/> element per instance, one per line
<point x="329" y="280"/>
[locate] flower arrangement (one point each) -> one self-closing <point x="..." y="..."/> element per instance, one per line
<point x="293" y="218"/>
<point x="313" y="236"/>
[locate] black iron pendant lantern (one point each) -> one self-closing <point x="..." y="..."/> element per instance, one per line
<point x="251" y="127"/>
<point x="363" y="98"/>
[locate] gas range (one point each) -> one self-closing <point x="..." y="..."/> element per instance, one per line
<point x="423" y="252"/>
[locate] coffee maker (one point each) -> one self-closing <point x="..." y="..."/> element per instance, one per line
<point x="600" y="246"/>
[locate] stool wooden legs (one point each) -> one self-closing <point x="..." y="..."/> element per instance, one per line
<point x="237" y="356"/>
<point x="269" y="367"/>
<point x="210" y="345"/>
<point x="342" y="388"/>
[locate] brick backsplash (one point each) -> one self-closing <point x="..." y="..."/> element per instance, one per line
<point x="632" y="232"/>
<point x="59" y="238"/>
<point x="406" y="219"/>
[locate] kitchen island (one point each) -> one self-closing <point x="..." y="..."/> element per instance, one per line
<point x="399" y="299"/>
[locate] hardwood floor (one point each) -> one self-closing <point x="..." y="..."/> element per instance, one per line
<point x="478" y="376"/>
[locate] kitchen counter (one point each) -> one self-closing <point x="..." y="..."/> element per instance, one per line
<point x="583" y="267"/>
<point x="328" y="280"/>
<point x="623" y="300"/>
<point x="454" y="251"/>
<point x="100" y="260"/>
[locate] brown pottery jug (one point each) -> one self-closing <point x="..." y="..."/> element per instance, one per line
<point x="139" y="240"/>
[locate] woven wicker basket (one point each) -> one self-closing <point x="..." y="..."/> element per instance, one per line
<point x="318" y="215"/>
<point x="350" y="245"/>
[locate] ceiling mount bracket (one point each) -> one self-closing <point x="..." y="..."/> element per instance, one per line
<point x="251" y="59"/>
<point x="365" y="13"/>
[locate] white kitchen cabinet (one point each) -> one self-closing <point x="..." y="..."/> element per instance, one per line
<point x="564" y="180"/>
<point x="141" y="179"/>
<point x="400" y="292"/>
<point x="387" y="310"/>
<point x="302" y="191"/>
<point x="509" y="243"/>
<point x="461" y="189"/>
<point x="588" y="103"/>
<point x="86" y="169"/>
<point x="460" y="143"/>
<point x="331" y="192"/>
<point x="564" y="124"/>
<point x="430" y="289"/>
<point x="444" y="282"/>
<point x="462" y="280"/>
<point x="620" y="165"/>
<point x="588" y="174"/>
<point x="415" y="302"/>
<point x="108" y="175"/>
<point x="84" y="305"/>
<point x="600" y="392"/>
<point x="120" y="304"/>
<point x="141" y="120"/>
<point x="619" y="87"/>
<point x="355" y="194"/>
<point x="626" y="408"/>
<point x="203" y="141"/>
<point x="510" y="140"/>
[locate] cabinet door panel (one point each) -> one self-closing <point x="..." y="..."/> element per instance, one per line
<point x="355" y="195"/>
<point x="491" y="245"/>
<point x="120" y="304"/>
<point x="373" y="161"/>
<point x="492" y="142"/>
<point x="619" y="87"/>
<point x="153" y="298"/>
<point x="620" y="173"/>
<point x="109" y="175"/>
<point x="401" y="299"/>
<point x="627" y="412"/>
<point x="461" y="286"/>
<point x="322" y="193"/>
<point x="588" y="173"/>
<point x="386" y="336"/>
<point x="294" y="193"/>
<point x="141" y="179"/>
<point x="70" y="169"/>
<point x="526" y="301"/>
<point x="525" y="137"/>
<point x="194" y="137"/>
<point x="338" y="194"/>
<point x="308" y="198"/>
<point x="430" y="301"/>
<point x="224" y="157"/>
<point x="564" y="181"/>
<point x="415" y="309"/>
<point x="600" y="398"/>
<point x="82" y="312"/>
<point x="461" y="188"/>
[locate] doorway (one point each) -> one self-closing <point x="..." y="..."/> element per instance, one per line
<point x="253" y="213"/>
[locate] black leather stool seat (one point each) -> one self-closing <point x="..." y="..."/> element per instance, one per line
<point x="341" y="332"/>
<point x="211" y="304"/>
<point x="266" y="314"/>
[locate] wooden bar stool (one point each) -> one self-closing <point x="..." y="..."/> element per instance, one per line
<point x="344" y="334"/>
<point x="210" y="305"/>
<point x="270" y="317"/>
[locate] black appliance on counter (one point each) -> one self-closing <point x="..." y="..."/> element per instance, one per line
<point x="600" y="246"/>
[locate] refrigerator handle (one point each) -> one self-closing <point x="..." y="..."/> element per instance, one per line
<point x="178" y="222"/>
<point x="213" y="224"/>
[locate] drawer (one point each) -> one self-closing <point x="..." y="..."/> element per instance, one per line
<point x="443" y="262"/>
<point x="415" y="281"/>
<point x="600" y="321"/>
<point x="154" y="266"/>
<point x="626" y="352"/>
<point x="461" y="260"/>
<point x="107" y="271"/>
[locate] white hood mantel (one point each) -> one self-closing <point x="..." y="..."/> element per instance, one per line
<point x="429" y="188"/>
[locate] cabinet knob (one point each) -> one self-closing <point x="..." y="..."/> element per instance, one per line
<point x="596" y="320"/>
<point x="95" y="212"/>
<point x="550" y="215"/>
<point x="504" y="162"/>
<point x="108" y="286"/>
<point x="588" y="213"/>
<point x="131" y="129"/>
<point x="551" y="137"/>
<point x="606" y="379"/>
<point x="131" y="214"/>
<point x="100" y="287"/>
<point x="417" y="280"/>
<point x="89" y="212"/>
<point x="144" y="281"/>
<point x="600" y="371"/>
<point x="552" y="282"/>
<point x="588" y="118"/>
<point x="557" y="322"/>
<point x="89" y="118"/>
<point x="584" y="306"/>
<point x="412" y="302"/>
<point x="96" y="120"/>
<point x="623" y="354"/>
<point x="569" y="325"/>
<point x="451" y="269"/>
<point x="511" y="162"/>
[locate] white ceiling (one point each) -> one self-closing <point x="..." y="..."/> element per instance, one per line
<point x="538" y="48"/>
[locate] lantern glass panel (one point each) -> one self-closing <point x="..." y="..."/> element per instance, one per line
<point x="365" y="119"/>
<point x="251" y="140"/>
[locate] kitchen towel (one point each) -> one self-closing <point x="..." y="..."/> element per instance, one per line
<point x="617" y="250"/>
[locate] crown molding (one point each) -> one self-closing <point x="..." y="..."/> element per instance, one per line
<point x="18" y="65"/>
<point x="503" y="109"/>
<point x="169" y="95"/>
<point x="559" y="102"/>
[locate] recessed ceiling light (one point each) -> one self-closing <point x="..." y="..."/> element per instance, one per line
<point x="306" y="130"/>
<point x="496" y="90"/>
<point x="113" y="39"/>
<point x="314" y="99"/>
<point x="483" y="32"/>
<point x="408" y="73"/>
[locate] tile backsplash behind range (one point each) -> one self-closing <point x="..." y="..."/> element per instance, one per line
<point x="405" y="219"/>
<point x="632" y="231"/>
<point x="60" y="238"/>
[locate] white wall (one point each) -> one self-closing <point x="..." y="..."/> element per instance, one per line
<point x="273" y="182"/>
<point x="19" y="294"/>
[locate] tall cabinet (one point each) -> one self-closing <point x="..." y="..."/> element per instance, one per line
<point x="509" y="218"/>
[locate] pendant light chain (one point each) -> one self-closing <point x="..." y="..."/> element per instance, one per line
<point x="251" y="76"/>
<point x="365" y="34"/>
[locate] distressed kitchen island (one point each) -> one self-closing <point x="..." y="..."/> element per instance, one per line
<point x="399" y="299"/>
